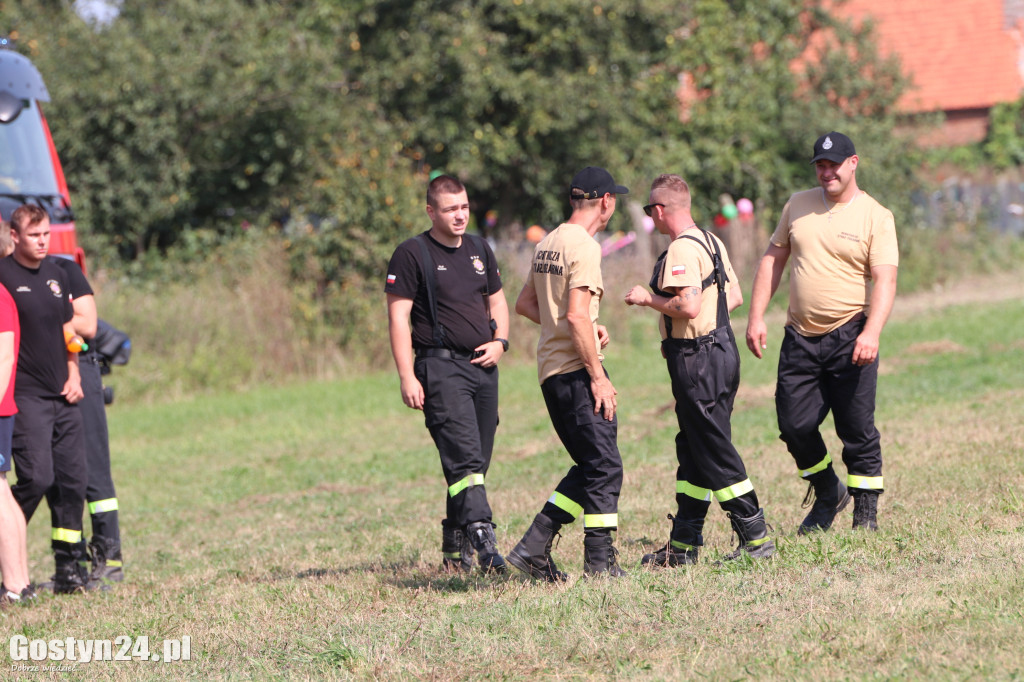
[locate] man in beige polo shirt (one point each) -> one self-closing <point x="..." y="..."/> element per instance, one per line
<point x="694" y="287"/>
<point x="841" y="291"/>
<point x="562" y="294"/>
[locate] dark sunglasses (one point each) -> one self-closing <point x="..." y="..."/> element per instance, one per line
<point x="650" y="207"/>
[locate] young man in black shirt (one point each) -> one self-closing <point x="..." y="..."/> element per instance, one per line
<point x="48" y="445"/>
<point x="448" y="285"/>
<point x="101" y="497"/>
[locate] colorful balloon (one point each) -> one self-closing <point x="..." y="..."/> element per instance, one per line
<point x="730" y="211"/>
<point x="745" y="206"/>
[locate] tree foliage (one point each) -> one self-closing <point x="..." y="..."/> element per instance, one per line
<point x="323" y="119"/>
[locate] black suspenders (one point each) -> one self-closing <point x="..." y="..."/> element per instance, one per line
<point x="717" y="275"/>
<point x="430" y="279"/>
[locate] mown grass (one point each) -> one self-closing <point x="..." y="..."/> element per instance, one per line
<point x="292" y="531"/>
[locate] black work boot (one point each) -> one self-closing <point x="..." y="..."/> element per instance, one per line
<point x="533" y="553"/>
<point x="456" y="550"/>
<point x="681" y="548"/>
<point x="70" y="578"/>
<point x="830" y="497"/>
<point x="106" y="560"/>
<point x="865" y="509"/>
<point x="599" y="557"/>
<point x="754" y="540"/>
<point x="481" y="536"/>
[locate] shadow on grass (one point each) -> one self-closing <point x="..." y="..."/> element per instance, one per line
<point x="414" y="575"/>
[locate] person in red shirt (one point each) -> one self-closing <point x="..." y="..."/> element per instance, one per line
<point x="13" y="552"/>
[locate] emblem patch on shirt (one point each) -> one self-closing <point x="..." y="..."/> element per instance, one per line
<point x="391" y="279"/>
<point x="478" y="265"/>
<point x="678" y="270"/>
<point x="54" y="287"/>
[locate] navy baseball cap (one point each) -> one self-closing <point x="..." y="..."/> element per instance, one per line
<point x="833" y="146"/>
<point x="593" y="182"/>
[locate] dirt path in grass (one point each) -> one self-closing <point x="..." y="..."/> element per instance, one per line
<point x="1001" y="286"/>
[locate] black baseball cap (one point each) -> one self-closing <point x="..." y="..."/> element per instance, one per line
<point x="833" y="146"/>
<point x="593" y="182"/>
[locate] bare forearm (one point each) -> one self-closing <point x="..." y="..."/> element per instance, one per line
<point x="766" y="282"/>
<point x="883" y="296"/>
<point x="401" y="347"/>
<point x="683" y="306"/>
<point x="499" y="313"/>
<point x="583" y="340"/>
<point x="528" y="305"/>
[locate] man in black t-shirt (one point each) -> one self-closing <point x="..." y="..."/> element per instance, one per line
<point x="447" y="284"/>
<point x="101" y="497"/>
<point x="48" y="445"/>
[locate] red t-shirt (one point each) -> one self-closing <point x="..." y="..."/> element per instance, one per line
<point x="9" y="323"/>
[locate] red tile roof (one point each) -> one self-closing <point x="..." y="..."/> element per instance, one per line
<point x="959" y="54"/>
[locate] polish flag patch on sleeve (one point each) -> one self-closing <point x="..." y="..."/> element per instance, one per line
<point x="678" y="270"/>
<point x="391" y="279"/>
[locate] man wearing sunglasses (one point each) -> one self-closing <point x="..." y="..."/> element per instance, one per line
<point x="694" y="289"/>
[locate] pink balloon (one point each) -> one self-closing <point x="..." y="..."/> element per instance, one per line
<point x="745" y="206"/>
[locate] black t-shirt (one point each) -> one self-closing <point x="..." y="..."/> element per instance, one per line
<point x="463" y="277"/>
<point x="77" y="283"/>
<point x="44" y="305"/>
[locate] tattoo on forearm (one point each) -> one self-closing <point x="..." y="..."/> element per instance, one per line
<point x="677" y="302"/>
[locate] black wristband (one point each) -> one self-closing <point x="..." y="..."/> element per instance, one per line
<point x="504" y="344"/>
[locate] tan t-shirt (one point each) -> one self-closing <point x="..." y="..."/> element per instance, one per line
<point x="567" y="258"/>
<point x="687" y="264"/>
<point x="832" y="257"/>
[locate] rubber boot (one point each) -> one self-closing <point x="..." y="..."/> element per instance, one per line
<point x="70" y="576"/>
<point x="830" y="497"/>
<point x="106" y="560"/>
<point x="599" y="557"/>
<point x="533" y="553"/>
<point x="865" y="509"/>
<point x="754" y="540"/>
<point x="481" y="536"/>
<point x="681" y="548"/>
<point x="456" y="550"/>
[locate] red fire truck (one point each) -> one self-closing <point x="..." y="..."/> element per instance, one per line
<point x="30" y="171"/>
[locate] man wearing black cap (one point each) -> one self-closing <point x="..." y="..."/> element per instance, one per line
<point x="841" y="240"/>
<point x="448" y="323"/>
<point x="562" y="294"/>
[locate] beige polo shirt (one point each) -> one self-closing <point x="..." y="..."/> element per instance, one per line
<point x="567" y="258"/>
<point x="686" y="264"/>
<point x="832" y="256"/>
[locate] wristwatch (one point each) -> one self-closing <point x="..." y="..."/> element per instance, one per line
<point x="504" y="344"/>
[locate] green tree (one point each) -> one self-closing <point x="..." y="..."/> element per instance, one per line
<point x="189" y="114"/>
<point x="513" y="97"/>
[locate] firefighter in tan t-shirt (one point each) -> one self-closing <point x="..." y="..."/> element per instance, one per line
<point x="694" y="288"/>
<point x="841" y="291"/>
<point x="562" y="293"/>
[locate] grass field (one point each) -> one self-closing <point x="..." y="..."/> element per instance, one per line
<point x="293" y="532"/>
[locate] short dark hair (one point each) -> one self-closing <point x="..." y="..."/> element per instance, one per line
<point x="27" y="215"/>
<point x="443" y="184"/>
